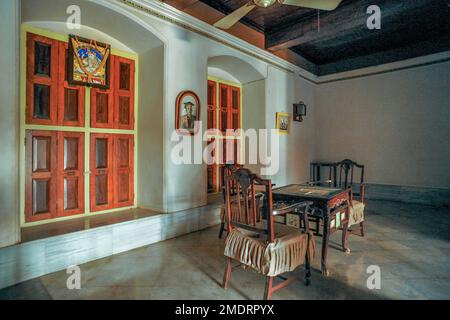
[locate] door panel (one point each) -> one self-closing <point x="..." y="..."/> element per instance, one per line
<point x="212" y="105"/>
<point x="101" y="180"/>
<point x="70" y="173"/>
<point x="235" y="108"/>
<point x="124" y="93"/>
<point x="124" y="170"/>
<point x="41" y="168"/>
<point x="223" y="107"/>
<point x="102" y="103"/>
<point x="42" y="80"/>
<point x="70" y="98"/>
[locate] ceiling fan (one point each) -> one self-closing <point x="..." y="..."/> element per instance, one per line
<point x="231" y="19"/>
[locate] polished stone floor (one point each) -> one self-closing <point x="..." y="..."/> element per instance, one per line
<point x="410" y="244"/>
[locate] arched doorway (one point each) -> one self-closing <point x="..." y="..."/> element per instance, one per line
<point x="235" y="91"/>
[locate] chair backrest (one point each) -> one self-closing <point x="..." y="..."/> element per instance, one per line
<point x="348" y="173"/>
<point x="246" y="201"/>
<point x="322" y="173"/>
<point x="226" y="170"/>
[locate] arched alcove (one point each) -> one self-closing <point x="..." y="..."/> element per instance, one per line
<point x="253" y="97"/>
<point x="107" y="22"/>
<point x="240" y="70"/>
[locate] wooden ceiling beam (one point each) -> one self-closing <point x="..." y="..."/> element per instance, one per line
<point x="180" y="4"/>
<point x="344" y="19"/>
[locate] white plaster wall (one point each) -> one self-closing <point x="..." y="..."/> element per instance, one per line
<point x="396" y="123"/>
<point x="253" y="114"/>
<point x="9" y="134"/>
<point x="296" y="149"/>
<point x="150" y="188"/>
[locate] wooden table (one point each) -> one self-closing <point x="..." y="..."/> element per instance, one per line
<point x="332" y="206"/>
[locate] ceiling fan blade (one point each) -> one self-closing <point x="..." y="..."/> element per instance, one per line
<point x="327" y="5"/>
<point x="231" y="19"/>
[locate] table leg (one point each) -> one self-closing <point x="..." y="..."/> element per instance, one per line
<point x="345" y="231"/>
<point x="325" y="239"/>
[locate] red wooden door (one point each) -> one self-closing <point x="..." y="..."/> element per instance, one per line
<point x="70" y="173"/>
<point x="41" y="175"/>
<point x="230" y="107"/>
<point x="42" y="80"/>
<point x="123" y="170"/>
<point x="235" y="108"/>
<point x="212" y="169"/>
<point x="124" y="70"/>
<point x="223" y="107"/>
<point x="70" y="98"/>
<point x="102" y="103"/>
<point x="212" y="124"/>
<point x="101" y="179"/>
<point x="212" y="105"/>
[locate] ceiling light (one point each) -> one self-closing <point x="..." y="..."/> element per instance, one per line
<point x="264" y="3"/>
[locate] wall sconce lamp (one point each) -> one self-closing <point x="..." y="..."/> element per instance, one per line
<point x="299" y="111"/>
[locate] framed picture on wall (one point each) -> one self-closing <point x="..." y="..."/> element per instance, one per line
<point x="282" y="123"/>
<point x="187" y="113"/>
<point x="88" y="63"/>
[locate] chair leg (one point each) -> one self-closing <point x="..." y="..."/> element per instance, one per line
<point x="222" y="228"/>
<point x="227" y="275"/>
<point x="268" y="289"/>
<point x="345" y="234"/>
<point x="308" y="266"/>
<point x="362" y="229"/>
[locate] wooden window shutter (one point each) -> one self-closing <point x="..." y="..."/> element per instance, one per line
<point x="70" y="182"/>
<point x="42" y="80"/>
<point x="71" y="99"/>
<point x="41" y="175"/>
<point x="123" y="170"/>
<point x="212" y="105"/>
<point x="124" y="70"/>
<point x="223" y="107"/>
<point x="102" y="103"/>
<point x="102" y="171"/>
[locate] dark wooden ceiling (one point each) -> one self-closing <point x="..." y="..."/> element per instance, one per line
<point x="409" y="28"/>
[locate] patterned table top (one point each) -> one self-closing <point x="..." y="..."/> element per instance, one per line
<point x="306" y="191"/>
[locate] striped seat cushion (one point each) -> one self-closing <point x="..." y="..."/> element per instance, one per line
<point x="285" y="254"/>
<point x="356" y="213"/>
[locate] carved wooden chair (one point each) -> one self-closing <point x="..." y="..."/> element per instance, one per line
<point x="227" y="169"/>
<point x="350" y="174"/>
<point x="318" y="171"/>
<point x="260" y="244"/>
